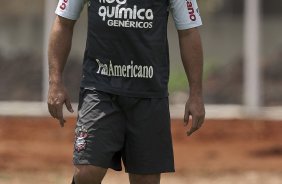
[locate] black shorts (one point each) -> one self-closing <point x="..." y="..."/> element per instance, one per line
<point x="111" y="128"/>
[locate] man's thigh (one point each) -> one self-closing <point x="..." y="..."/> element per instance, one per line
<point x="88" y="174"/>
<point x="145" y="179"/>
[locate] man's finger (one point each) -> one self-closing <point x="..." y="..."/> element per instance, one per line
<point x="195" y="121"/>
<point x="60" y="116"/>
<point x="186" y="116"/>
<point x="201" y="121"/>
<point x="192" y="130"/>
<point x="52" y="111"/>
<point x="62" y="122"/>
<point x="68" y="105"/>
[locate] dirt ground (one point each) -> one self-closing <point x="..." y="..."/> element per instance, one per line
<point x="36" y="150"/>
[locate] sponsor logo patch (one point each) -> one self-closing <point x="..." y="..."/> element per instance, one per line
<point x="116" y="13"/>
<point x="64" y="4"/>
<point x="132" y="70"/>
<point x="80" y="136"/>
<point x="191" y="10"/>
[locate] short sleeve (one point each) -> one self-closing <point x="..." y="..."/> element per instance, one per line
<point x="70" y="9"/>
<point x="185" y="14"/>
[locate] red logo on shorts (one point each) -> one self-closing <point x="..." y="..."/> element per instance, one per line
<point x="64" y="4"/>
<point x="80" y="135"/>
<point x="191" y="10"/>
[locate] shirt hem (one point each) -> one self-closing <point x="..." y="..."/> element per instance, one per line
<point x="185" y="26"/>
<point x="67" y="16"/>
<point x="126" y="93"/>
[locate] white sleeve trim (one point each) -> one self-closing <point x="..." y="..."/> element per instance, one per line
<point x="185" y="14"/>
<point x="70" y="9"/>
<point x="185" y="26"/>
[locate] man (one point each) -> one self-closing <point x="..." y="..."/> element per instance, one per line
<point x="123" y="107"/>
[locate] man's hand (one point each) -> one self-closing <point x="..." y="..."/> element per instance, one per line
<point x="195" y="108"/>
<point x="57" y="97"/>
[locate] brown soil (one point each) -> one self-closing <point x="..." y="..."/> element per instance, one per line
<point x="221" y="146"/>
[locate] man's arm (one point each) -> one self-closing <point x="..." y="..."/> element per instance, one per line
<point x="58" y="51"/>
<point x="192" y="59"/>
